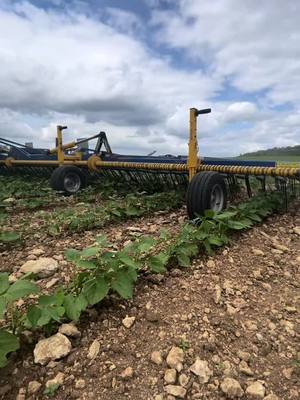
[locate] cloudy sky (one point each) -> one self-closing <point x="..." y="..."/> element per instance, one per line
<point x="134" y="67"/>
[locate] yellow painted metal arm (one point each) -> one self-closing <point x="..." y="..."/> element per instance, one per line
<point x="193" y="160"/>
<point x="64" y="147"/>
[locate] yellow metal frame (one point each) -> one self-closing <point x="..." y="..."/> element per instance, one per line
<point x="191" y="168"/>
<point x="60" y="149"/>
<point x="193" y="160"/>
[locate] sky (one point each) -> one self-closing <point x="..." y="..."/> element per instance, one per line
<point x="134" y="68"/>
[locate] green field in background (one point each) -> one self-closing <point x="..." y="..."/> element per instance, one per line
<point x="279" y="158"/>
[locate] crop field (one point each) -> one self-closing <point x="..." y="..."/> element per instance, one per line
<point x="112" y="294"/>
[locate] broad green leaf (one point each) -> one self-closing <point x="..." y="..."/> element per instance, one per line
<point x="95" y="290"/>
<point x="72" y="254"/>
<point x="184" y="260"/>
<point x="51" y="389"/>
<point x="56" y="312"/>
<point x="45" y="317"/>
<point x="59" y="296"/>
<point x="90" y="252"/>
<point x="127" y="260"/>
<point x="4" y="282"/>
<point x="255" y="217"/>
<point x="8" y="237"/>
<point x="158" y="263"/>
<point x="225" y="215"/>
<point x="207" y="226"/>
<point x="164" y="234"/>
<point x="189" y="249"/>
<point x="2" y="306"/>
<point x="209" y="213"/>
<point x="19" y="289"/>
<point x="247" y="222"/>
<point x="33" y="315"/>
<point x="123" y="284"/>
<point x="132" y="211"/>
<point x="46" y="300"/>
<point x="8" y="343"/>
<point x="116" y="213"/>
<point x="74" y="306"/>
<point x="85" y="264"/>
<point x="53" y="230"/>
<point x="215" y="241"/>
<point x="236" y="225"/>
<point x="49" y="313"/>
<point x="207" y="247"/>
<point x="145" y="244"/>
<point x="102" y="240"/>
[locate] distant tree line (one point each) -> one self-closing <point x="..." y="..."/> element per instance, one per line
<point x="277" y="151"/>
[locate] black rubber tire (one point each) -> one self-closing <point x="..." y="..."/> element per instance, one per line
<point x="199" y="192"/>
<point x="57" y="180"/>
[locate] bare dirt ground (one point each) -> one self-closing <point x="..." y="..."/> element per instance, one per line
<point x="234" y="315"/>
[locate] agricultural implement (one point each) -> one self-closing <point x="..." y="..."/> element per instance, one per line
<point x="208" y="180"/>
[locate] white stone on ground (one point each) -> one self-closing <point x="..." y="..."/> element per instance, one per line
<point x="52" y="348"/>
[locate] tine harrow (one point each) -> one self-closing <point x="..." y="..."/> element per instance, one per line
<point x="208" y="180"/>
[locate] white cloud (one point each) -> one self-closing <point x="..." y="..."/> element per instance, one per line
<point x="253" y="43"/>
<point x="241" y="111"/>
<point x="96" y="72"/>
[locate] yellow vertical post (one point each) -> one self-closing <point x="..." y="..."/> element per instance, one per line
<point x="60" y="151"/>
<point x="193" y="144"/>
<point x="193" y="159"/>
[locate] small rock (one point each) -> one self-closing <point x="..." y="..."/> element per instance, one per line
<point x="22" y="394"/>
<point x="156" y="357"/>
<point x="93" y="350"/>
<point x="127" y="373"/>
<point x="170" y="375"/>
<point x="52" y="348"/>
<point x="33" y="387"/>
<point x="43" y="267"/>
<point x="183" y="380"/>
<point x="211" y="264"/>
<point x="231" y="310"/>
<point x="296" y="230"/>
<point x="255" y="391"/>
<point x="218" y="293"/>
<point x="280" y="247"/>
<point x="201" y="369"/>
<point x="8" y="200"/>
<point x="251" y="325"/>
<point x="231" y="388"/>
<point x="271" y="397"/>
<point x="134" y="229"/>
<point x="258" y="252"/>
<point x="57" y="380"/>
<point x="290" y="309"/>
<point x="128" y="322"/>
<point x="51" y="283"/>
<point x="175" y="358"/>
<point x="287" y="373"/>
<point x="69" y="330"/>
<point x="176" y="391"/>
<point x="245" y="369"/>
<point x="37" y="252"/>
<point x="243" y="355"/>
<point x="228" y="369"/>
<point x="80" y="384"/>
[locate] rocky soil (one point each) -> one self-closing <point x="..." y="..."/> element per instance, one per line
<point x="226" y="328"/>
